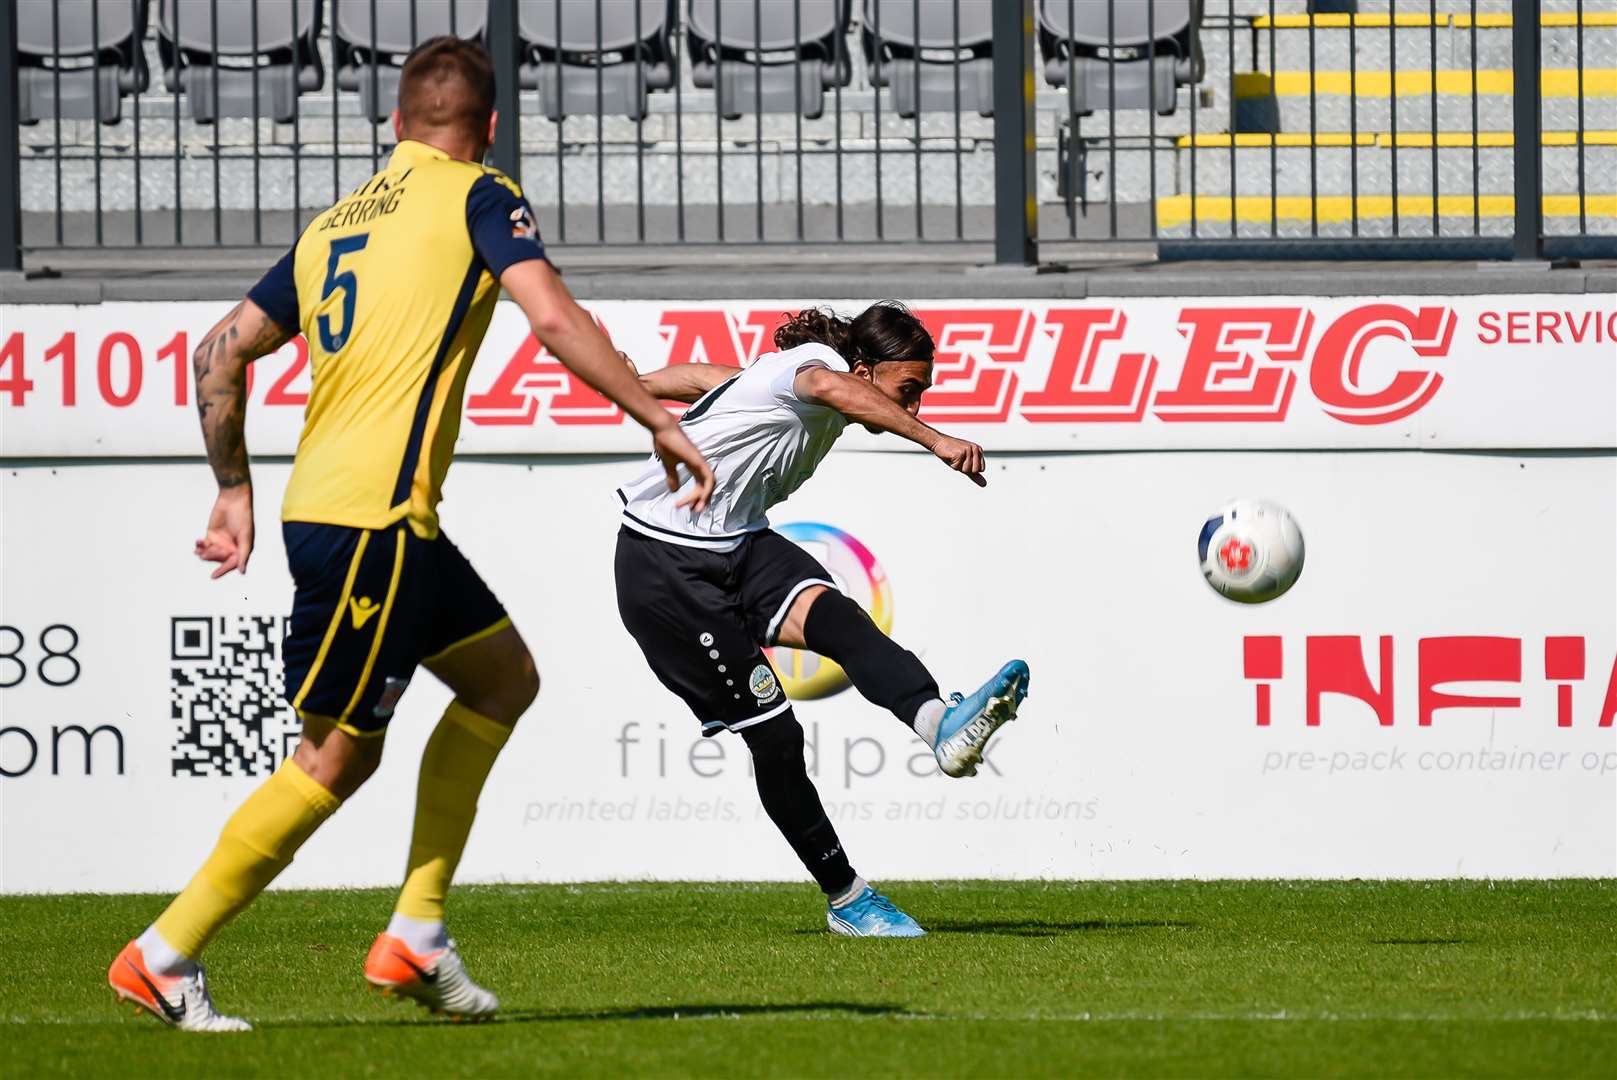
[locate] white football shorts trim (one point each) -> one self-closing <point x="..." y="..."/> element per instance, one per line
<point x="786" y="605"/>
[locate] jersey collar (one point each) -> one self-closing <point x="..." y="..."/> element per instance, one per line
<point x="411" y="152"/>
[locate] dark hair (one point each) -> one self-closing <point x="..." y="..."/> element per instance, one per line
<point x="884" y="331"/>
<point x="448" y="82"/>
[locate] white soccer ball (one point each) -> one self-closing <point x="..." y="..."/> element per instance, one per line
<point x="1251" y="550"/>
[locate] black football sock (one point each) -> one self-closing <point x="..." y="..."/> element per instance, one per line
<point x="885" y="672"/>
<point x="793" y="804"/>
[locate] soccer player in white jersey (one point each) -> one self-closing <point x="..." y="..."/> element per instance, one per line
<point x="705" y="594"/>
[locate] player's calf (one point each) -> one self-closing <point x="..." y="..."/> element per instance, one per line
<point x="886" y="673"/>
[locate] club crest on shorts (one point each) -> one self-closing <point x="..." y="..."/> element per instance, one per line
<point x="763" y="684"/>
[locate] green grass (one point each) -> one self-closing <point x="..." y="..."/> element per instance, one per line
<point x="1023" y="979"/>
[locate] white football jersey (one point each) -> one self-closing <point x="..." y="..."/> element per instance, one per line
<point x="762" y="441"/>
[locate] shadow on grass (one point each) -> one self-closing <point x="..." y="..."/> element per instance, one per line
<point x="1042" y="927"/>
<point x="644" y="1012"/>
<point x="1418" y="941"/>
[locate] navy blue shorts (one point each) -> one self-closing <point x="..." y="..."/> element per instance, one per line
<point x="371" y="605"/>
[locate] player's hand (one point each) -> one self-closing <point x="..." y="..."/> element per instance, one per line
<point x="674" y="449"/>
<point x="963" y="457"/>
<point x="229" y="541"/>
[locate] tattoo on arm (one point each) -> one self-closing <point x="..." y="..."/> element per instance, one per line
<point x="220" y="365"/>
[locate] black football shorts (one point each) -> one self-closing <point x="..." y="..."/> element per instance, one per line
<point x="703" y="619"/>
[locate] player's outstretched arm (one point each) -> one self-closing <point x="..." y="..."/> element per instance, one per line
<point x="684" y="382"/>
<point x="569" y="332"/>
<point x="862" y="403"/>
<point x="220" y="366"/>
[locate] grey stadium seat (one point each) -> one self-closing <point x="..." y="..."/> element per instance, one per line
<point x="77" y="58"/>
<point x="229" y="68"/>
<point x="770" y="55"/>
<point x="596" y="56"/>
<point x="922" y="63"/>
<point x="1155" y="48"/>
<point x="370" y="54"/>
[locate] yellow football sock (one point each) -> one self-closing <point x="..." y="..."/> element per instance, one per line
<point x="454" y="765"/>
<point x="257" y="843"/>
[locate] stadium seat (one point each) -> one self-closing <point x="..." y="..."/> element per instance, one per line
<point x="371" y="54"/>
<point x="1143" y="50"/>
<point x="241" y="65"/>
<point x="77" y="58"/>
<point x="927" y="65"/>
<point x="770" y="57"/>
<point x="596" y="56"/>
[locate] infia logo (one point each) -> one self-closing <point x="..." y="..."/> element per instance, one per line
<point x="806" y="675"/>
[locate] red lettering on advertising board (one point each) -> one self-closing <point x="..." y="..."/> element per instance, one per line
<point x="1337" y="377"/>
<point x="1336" y="666"/>
<point x="1229" y="371"/>
<point x="756" y="331"/>
<point x="1445" y="660"/>
<point x="700" y="337"/>
<point x="1073" y="392"/>
<point x="533" y="380"/>
<point x="974" y="377"/>
<point x="16" y="382"/>
<point x="1563" y="664"/>
<point x="280" y="391"/>
<point x="1608" y="709"/>
<point x="1263" y="658"/>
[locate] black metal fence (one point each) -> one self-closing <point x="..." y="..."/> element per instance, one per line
<point x="1262" y="128"/>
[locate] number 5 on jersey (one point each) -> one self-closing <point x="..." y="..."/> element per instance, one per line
<point x="333" y="341"/>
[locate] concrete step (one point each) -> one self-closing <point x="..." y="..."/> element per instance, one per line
<point x="1335" y="213"/>
<point x="1335" y="170"/>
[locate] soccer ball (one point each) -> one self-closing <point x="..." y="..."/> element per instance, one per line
<point x="1251" y="550"/>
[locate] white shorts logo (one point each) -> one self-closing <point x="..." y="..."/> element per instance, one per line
<point x="763" y="684"/>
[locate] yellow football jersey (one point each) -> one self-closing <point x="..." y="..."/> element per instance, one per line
<point x="394" y="288"/>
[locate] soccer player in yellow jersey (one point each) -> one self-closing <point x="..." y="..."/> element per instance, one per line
<point x="394" y="288"/>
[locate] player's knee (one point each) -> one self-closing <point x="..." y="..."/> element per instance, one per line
<point x="505" y="698"/>
<point x="340" y="765"/>
<point x="525" y="688"/>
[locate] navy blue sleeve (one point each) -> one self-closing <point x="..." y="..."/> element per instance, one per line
<point x="277" y="293"/>
<point x="502" y="225"/>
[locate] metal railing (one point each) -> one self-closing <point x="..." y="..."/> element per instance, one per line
<point x="1256" y="128"/>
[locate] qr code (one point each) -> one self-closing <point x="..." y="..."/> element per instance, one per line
<point x="225" y="690"/>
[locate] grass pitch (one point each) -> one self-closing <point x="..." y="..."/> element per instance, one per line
<point x="1025" y="979"/>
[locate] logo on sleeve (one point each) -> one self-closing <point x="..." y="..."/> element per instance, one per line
<point x="763" y="685"/>
<point x="523" y="227"/>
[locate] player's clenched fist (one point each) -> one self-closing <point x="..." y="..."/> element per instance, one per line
<point x="962" y="456"/>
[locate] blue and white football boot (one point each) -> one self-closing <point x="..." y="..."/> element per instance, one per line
<point x="970" y="721"/>
<point x="870" y="914"/>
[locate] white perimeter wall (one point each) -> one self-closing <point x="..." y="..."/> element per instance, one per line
<point x="1489" y="578"/>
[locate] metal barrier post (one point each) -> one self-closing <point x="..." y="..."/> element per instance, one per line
<point x="10" y="150"/>
<point x="1529" y="120"/>
<point x="504" y="44"/>
<point x="1016" y="203"/>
